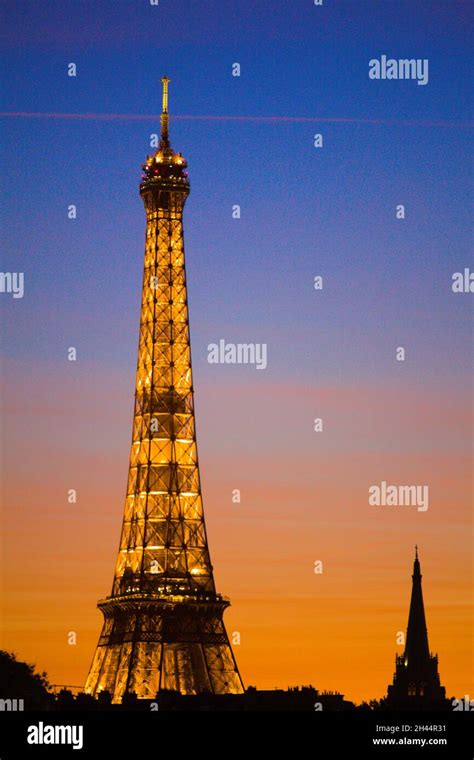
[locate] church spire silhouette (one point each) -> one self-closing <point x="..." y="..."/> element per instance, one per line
<point x="417" y="651"/>
<point x="416" y="682"/>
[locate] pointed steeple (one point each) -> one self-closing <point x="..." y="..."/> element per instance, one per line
<point x="417" y="651"/>
<point x="416" y="681"/>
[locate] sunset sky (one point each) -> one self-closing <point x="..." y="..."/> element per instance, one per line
<point x="331" y="353"/>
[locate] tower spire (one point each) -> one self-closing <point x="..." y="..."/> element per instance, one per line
<point x="165" y="142"/>
<point x="416" y="678"/>
<point x="417" y="648"/>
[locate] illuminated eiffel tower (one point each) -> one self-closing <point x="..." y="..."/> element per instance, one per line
<point x="163" y="626"/>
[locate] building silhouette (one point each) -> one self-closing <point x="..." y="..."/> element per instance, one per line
<point x="416" y="682"/>
<point x="163" y="622"/>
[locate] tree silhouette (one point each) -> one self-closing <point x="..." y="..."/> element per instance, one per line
<point x="18" y="680"/>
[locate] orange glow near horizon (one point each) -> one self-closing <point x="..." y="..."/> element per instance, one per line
<point x="299" y="503"/>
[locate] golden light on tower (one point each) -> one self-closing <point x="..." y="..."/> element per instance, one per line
<point x="164" y="111"/>
<point x="163" y="626"/>
<point x="165" y="81"/>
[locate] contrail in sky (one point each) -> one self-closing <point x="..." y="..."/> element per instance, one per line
<point x="224" y="118"/>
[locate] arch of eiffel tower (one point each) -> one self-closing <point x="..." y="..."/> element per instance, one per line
<point x="163" y="622"/>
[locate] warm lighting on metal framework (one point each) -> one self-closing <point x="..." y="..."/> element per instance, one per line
<point x="163" y="626"/>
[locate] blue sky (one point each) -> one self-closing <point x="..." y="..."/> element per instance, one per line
<point x="304" y="211"/>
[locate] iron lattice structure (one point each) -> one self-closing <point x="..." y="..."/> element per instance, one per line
<point x="163" y="626"/>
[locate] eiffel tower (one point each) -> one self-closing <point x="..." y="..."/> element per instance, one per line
<point x="163" y="622"/>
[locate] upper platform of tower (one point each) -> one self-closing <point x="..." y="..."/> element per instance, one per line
<point x="165" y="169"/>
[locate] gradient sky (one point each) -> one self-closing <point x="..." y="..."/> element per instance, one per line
<point x="331" y="354"/>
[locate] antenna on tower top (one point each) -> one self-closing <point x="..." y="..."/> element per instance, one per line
<point x="165" y="81"/>
<point x="164" y="142"/>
